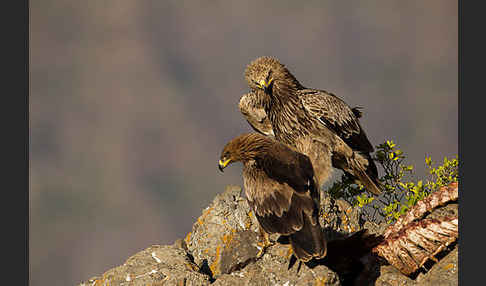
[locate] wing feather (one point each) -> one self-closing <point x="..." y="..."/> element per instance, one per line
<point x="281" y="190"/>
<point x="337" y="116"/>
<point x="252" y="109"/>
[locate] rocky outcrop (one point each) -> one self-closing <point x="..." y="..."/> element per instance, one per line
<point x="223" y="245"/>
<point x="156" y="265"/>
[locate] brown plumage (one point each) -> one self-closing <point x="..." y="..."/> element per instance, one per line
<point x="281" y="190"/>
<point x="315" y="123"/>
<point x="251" y="107"/>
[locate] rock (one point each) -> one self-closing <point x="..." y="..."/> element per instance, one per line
<point x="222" y="249"/>
<point x="273" y="269"/>
<point x="375" y="228"/>
<point x="390" y="276"/>
<point x="338" y="217"/>
<point x="225" y="236"/>
<point x="156" y="265"/>
<point x="442" y="273"/>
<point x="238" y="251"/>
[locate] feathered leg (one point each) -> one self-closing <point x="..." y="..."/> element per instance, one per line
<point x="264" y="243"/>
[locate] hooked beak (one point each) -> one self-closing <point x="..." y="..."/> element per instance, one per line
<point x="266" y="85"/>
<point x="223" y="164"/>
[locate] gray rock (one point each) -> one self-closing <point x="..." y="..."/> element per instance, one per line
<point x="238" y="251"/>
<point x="375" y="228"/>
<point x="338" y="217"/>
<point x="224" y="237"/>
<point x="156" y="265"/>
<point x="390" y="276"/>
<point x="272" y="269"/>
<point x="442" y="273"/>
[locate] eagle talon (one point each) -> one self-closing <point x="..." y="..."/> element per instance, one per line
<point x="264" y="243"/>
<point x="263" y="248"/>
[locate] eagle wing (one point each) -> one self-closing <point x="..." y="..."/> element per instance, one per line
<point x="252" y="109"/>
<point x="281" y="190"/>
<point x="337" y="116"/>
<point x="283" y="193"/>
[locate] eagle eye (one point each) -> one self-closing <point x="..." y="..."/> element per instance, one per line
<point x="268" y="75"/>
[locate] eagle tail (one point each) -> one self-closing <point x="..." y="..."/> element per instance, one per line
<point x="368" y="183"/>
<point x="309" y="242"/>
<point x="358" y="165"/>
<point x="368" y="176"/>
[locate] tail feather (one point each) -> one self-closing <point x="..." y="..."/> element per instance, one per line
<point x="309" y="242"/>
<point x="368" y="175"/>
<point x="358" y="165"/>
<point x="368" y="183"/>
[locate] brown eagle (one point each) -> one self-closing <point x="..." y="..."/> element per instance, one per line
<point x="315" y="123"/>
<point x="281" y="190"/>
<point x="251" y="107"/>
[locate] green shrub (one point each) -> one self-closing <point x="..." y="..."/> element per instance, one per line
<point x="399" y="191"/>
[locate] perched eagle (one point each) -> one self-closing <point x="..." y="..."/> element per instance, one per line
<point x="281" y="190"/>
<point x="251" y="106"/>
<point x="314" y="122"/>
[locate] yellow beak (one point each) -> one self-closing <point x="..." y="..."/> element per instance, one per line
<point x="223" y="164"/>
<point x="264" y="84"/>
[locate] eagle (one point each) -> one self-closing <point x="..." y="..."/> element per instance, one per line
<point x="314" y="122"/>
<point x="281" y="190"/>
<point x="251" y="107"/>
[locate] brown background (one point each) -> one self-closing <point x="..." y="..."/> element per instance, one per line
<point x="132" y="101"/>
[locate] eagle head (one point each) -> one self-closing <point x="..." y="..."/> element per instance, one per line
<point x="265" y="72"/>
<point x="245" y="147"/>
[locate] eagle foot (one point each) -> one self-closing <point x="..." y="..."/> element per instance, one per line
<point x="264" y="244"/>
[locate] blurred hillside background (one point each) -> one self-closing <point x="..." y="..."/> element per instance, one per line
<point x="131" y="103"/>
